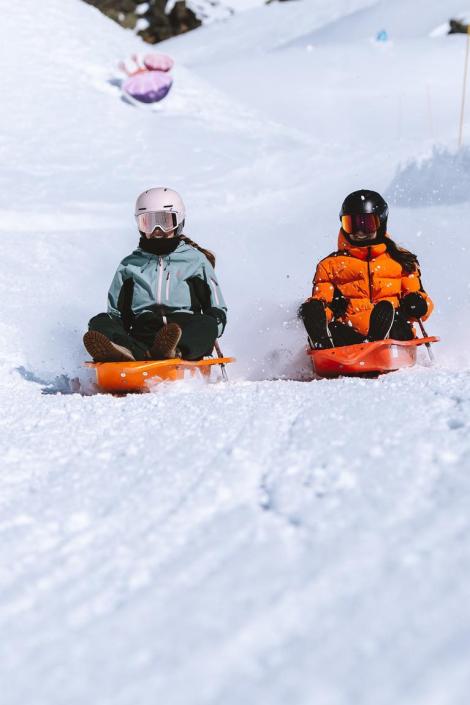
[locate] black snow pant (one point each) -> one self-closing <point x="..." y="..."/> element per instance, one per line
<point x="313" y="316"/>
<point x="197" y="340"/>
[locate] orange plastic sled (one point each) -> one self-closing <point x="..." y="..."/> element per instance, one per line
<point x="367" y="358"/>
<point x="141" y="376"/>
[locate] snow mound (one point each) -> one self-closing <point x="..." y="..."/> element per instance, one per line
<point x="441" y="179"/>
<point x="215" y="10"/>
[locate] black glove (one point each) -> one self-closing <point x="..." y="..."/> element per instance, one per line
<point x="339" y="304"/>
<point x="413" y="305"/>
<point x="219" y="315"/>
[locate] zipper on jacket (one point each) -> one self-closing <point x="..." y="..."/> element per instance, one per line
<point x="368" y="272"/>
<point x="167" y="291"/>
<point x="159" y="280"/>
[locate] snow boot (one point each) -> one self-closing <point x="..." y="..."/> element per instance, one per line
<point x="381" y="320"/>
<point x="164" y="346"/>
<point x="102" y="349"/>
<point x="315" y="321"/>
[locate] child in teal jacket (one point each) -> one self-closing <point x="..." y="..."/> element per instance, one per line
<point x="164" y="300"/>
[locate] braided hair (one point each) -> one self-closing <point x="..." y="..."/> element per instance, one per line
<point x="207" y="253"/>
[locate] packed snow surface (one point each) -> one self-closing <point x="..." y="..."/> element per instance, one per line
<point x="276" y="539"/>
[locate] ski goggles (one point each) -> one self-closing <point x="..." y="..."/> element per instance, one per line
<point x="365" y="223"/>
<point x="148" y="221"/>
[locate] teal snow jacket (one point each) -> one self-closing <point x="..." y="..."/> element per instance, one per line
<point x="183" y="281"/>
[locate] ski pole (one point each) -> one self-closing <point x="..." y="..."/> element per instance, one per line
<point x="222" y="364"/>
<point x="425" y="335"/>
<point x="464" y="90"/>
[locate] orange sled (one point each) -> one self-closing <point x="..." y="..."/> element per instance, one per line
<point x="367" y="358"/>
<point x="141" y="376"/>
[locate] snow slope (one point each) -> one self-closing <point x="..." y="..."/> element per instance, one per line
<point x="262" y="541"/>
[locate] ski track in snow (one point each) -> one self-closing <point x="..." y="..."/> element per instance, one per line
<point x="263" y="541"/>
<point x="218" y="552"/>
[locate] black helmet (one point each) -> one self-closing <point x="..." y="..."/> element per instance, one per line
<point x="365" y="201"/>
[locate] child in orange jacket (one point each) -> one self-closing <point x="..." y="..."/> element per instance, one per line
<point x="370" y="288"/>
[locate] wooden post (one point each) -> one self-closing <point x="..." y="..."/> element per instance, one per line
<point x="464" y="90"/>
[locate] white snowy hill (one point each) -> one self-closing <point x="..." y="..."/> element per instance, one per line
<point x="270" y="540"/>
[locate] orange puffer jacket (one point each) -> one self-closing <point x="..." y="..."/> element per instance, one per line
<point x="363" y="276"/>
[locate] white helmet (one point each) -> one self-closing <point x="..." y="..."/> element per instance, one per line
<point x="158" y="202"/>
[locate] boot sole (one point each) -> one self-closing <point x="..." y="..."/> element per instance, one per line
<point x="102" y="349"/>
<point x="166" y="341"/>
<point x="383" y="321"/>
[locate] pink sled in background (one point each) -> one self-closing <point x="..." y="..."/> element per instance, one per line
<point x="148" y="87"/>
<point x="149" y="82"/>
